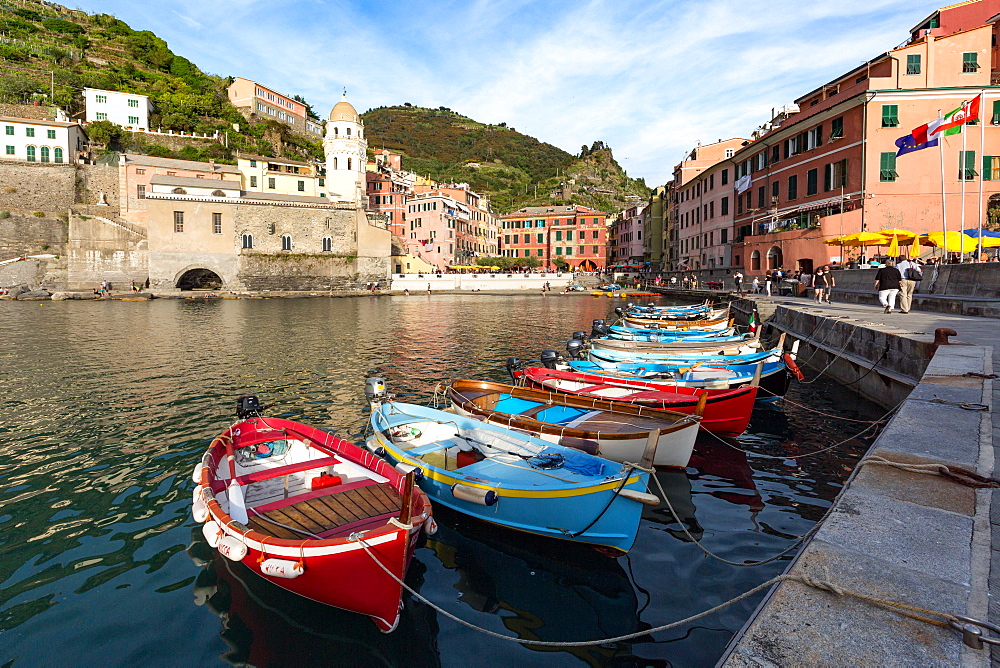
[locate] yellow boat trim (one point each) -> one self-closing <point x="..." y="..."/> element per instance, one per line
<point x="517" y="493"/>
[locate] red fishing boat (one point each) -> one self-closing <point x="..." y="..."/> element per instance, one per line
<point x="310" y="512"/>
<point x="727" y="412"/>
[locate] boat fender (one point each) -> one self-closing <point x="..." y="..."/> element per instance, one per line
<point x="430" y="526"/>
<point x="404" y="469"/>
<point x="379" y="451"/>
<point x="199" y="509"/>
<point x="232" y="548"/>
<point x="212" y="532"/>
<point x="196" y="474"/>
<point x="484" y="497"/>
<point x="642" y="497"/>
<point x="282" y="568"/>
<point x="793" y="367"/>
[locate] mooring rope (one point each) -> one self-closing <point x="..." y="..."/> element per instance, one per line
<point x="955" y="473"/>
<point x="941" y="619"/>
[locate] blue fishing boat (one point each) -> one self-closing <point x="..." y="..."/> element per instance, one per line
<point x="508" y="478"/>
<point x="636" y="333"/>
<point x="681" y="359"/>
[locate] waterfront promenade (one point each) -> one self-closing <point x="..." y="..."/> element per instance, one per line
<point x="893" y="534"/>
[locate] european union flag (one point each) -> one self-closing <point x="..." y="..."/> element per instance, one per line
<point x="908" y="144"/>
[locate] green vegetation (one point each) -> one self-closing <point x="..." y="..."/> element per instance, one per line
<point x="74" y="50"/>
<point x="512" y="169"/>
<point x="509" y="263"/>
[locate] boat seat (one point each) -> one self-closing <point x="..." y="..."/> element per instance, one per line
<point x="513" y="405"/>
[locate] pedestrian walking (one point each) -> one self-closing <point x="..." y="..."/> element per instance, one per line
<point x="738" y="279"/>
<point x="755" y="285"/>
<point x="911" y="275"/>
<point x="769" y="281"/>
<point x="428" y="288"/>
<point x="819" y="285"/>
<point x="831" y="283"/>
<point x="887" y="281"/>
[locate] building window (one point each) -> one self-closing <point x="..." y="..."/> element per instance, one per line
<point x="270" y="182"/>
<point x="101" y="116"/>
<point x="724" y="206"/>
<point x="558" y="235"/>
<point x="967" y="166"/>
<point x="31" y="153"/>
<point x="322" y="181"/>
<point x="348" y="132"/>
<point x="133" y="120"/>
<point x="134" y="104"/>
<point x="10" y="150"/>
<point x="814" y="137"/>
<point x="140" y="171"/>
<point x="29" y="132"/>
<point x="775" y="154"/>
<point x="349" y="160"/>
<point x="760" y="197"/>
<point x="253" y="181"/>
<point x="887" y="167"/>
<point x="248" y="241"/>
<point x="729" y="152"/>
<point x="253" y="163"/>
<point x="812" y="182"/>
<point x="216" y="223"/>
<point x="837" y="128"/>
<point x="178" y="221"/>
<point x="970" y="62"/>
<point x="51" y="134"/>
<point x="302" y="186"/>
<point x="725" y="176"/>
<point x="286" y="242"/>
<point x="774" y="192"/>
<point x="890" y="115"/>
<point x="140" y="192"/>
<point x="10" y="128"/>
<point x="45" y="154"/>
<point x="913" y="63"/>
<point x="793" y="187"/>
<point x="58" y="152"/>
<point x="101" y="99"/>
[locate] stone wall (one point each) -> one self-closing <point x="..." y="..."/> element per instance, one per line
<point x="173" y="142"/>
<point x="302" y="272"/>
<point x="28" y="187"/>
<point x="91" y="181"/>
<point x="101" y="249"/>
<point x="32" y="111"/>
<point x="31" y="235"/>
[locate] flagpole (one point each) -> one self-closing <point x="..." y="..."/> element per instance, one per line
<point x="982" y="176"/>
<point x="961" y="171"/>
<point x="944" y="201"/>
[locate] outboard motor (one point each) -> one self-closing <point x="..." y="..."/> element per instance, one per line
<point x="514" y="364"/>
<point x="619" y="311"/>
<point x="574" y="347"/>
<point x="600" y="330"/>
<point x="580" y="335"/>
<point x="651" y="305"/>
<point x="630" y="305"/>
<point x="248" y="406"/>
<point x="375" y="392"/>
<point x="549" y="358"/>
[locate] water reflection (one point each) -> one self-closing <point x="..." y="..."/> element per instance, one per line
<point x="107" y="407"/>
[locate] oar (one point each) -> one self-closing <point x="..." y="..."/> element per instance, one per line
<point x="237" y="504"/>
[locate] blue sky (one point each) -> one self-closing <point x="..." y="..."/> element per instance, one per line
<point x="650" y="79"/>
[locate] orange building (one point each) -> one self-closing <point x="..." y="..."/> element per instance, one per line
<point x="826" y="165"/>
<point x="577" y="234"/>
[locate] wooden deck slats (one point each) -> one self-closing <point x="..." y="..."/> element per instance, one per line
<point x="314" y="516"/>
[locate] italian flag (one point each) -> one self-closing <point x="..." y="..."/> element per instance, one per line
<point x="949" y="124"/>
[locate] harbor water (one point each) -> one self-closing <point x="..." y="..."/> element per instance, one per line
<point x="106" y="407"/>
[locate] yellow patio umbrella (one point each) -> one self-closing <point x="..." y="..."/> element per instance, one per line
<point x="989" y="242"/>
<point x="864" y="239"/>
<point x="902" y="235"/>
<point x="833" y="242"/>
<point x="914" y="247"/>
<point x="893" y="247"/>
<point x="956" y="241"/>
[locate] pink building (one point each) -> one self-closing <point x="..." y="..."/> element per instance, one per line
<point x="136" y="171"/>
<point x="450" y="225"/>
<point x="703" y="207"/>
<point x="575" y="233"/>
<point x="388" y="188"/>
<point x="629" y="226"/>
<point x="257" y="101"/>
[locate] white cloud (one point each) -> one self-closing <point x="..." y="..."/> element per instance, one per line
<point x="648" y="78"/>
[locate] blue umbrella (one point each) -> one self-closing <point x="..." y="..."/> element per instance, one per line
<point x="974" y="233"/>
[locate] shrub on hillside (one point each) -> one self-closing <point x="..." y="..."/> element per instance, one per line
<point x="12" y="53"/>
<point x="29" y="14"/>
<point x="62" y="26"/>
<point x="16" y="27"/>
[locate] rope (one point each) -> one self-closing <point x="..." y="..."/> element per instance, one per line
<point x="921" y="614"/>
<point x="961" y="404"/>
<point x="829" y="415"/>
<point x="956" y="473"/>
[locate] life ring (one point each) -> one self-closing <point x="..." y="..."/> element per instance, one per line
<point x="793" y="367"/>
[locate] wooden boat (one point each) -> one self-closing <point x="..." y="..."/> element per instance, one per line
<point x="508" y="478"/>
<point x="726" y="412"/>
<point x="722" y="345"/>
<point x="613" y="430"/>
<point x="709" y="314"/>
<point x="773" y="375"/>
<point x="684" y="358"/>
<point x="714" y="324"/>
<point x="291" y="501"/>
<point x="634" y="334"/>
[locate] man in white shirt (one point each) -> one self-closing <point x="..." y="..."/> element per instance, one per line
<point x="911" y="273"/>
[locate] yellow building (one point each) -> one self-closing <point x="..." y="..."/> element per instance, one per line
<point x="281" y="176"/>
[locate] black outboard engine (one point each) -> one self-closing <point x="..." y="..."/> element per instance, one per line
<point x="575" y="348"/>
<point x="631" y="305"/>
<point x="619" y="311"/>
<point x="600" y="330"/>
<point x="248" y="406"/>
<point x="514" y="364"/>
<point x="580" y="335"/>
<point x="651" y="305"/>
<point x="549" y="358"/>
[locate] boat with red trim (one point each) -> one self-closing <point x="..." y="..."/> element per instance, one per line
<point x="310" y="512"/>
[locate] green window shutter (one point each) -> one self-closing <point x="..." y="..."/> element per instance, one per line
<point x="890" y="115"/>
<point x="987" y="168"/>
<point x="837" y="128"/>
<point x="970" y="61"/>
<point x="819" y="135"/>
<point x="913" y="64"/>
<point x="887" y="167"/>
<point x="828" y="176"/>
<point x="967" y="165"/>
<point x="996" y="112"/>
